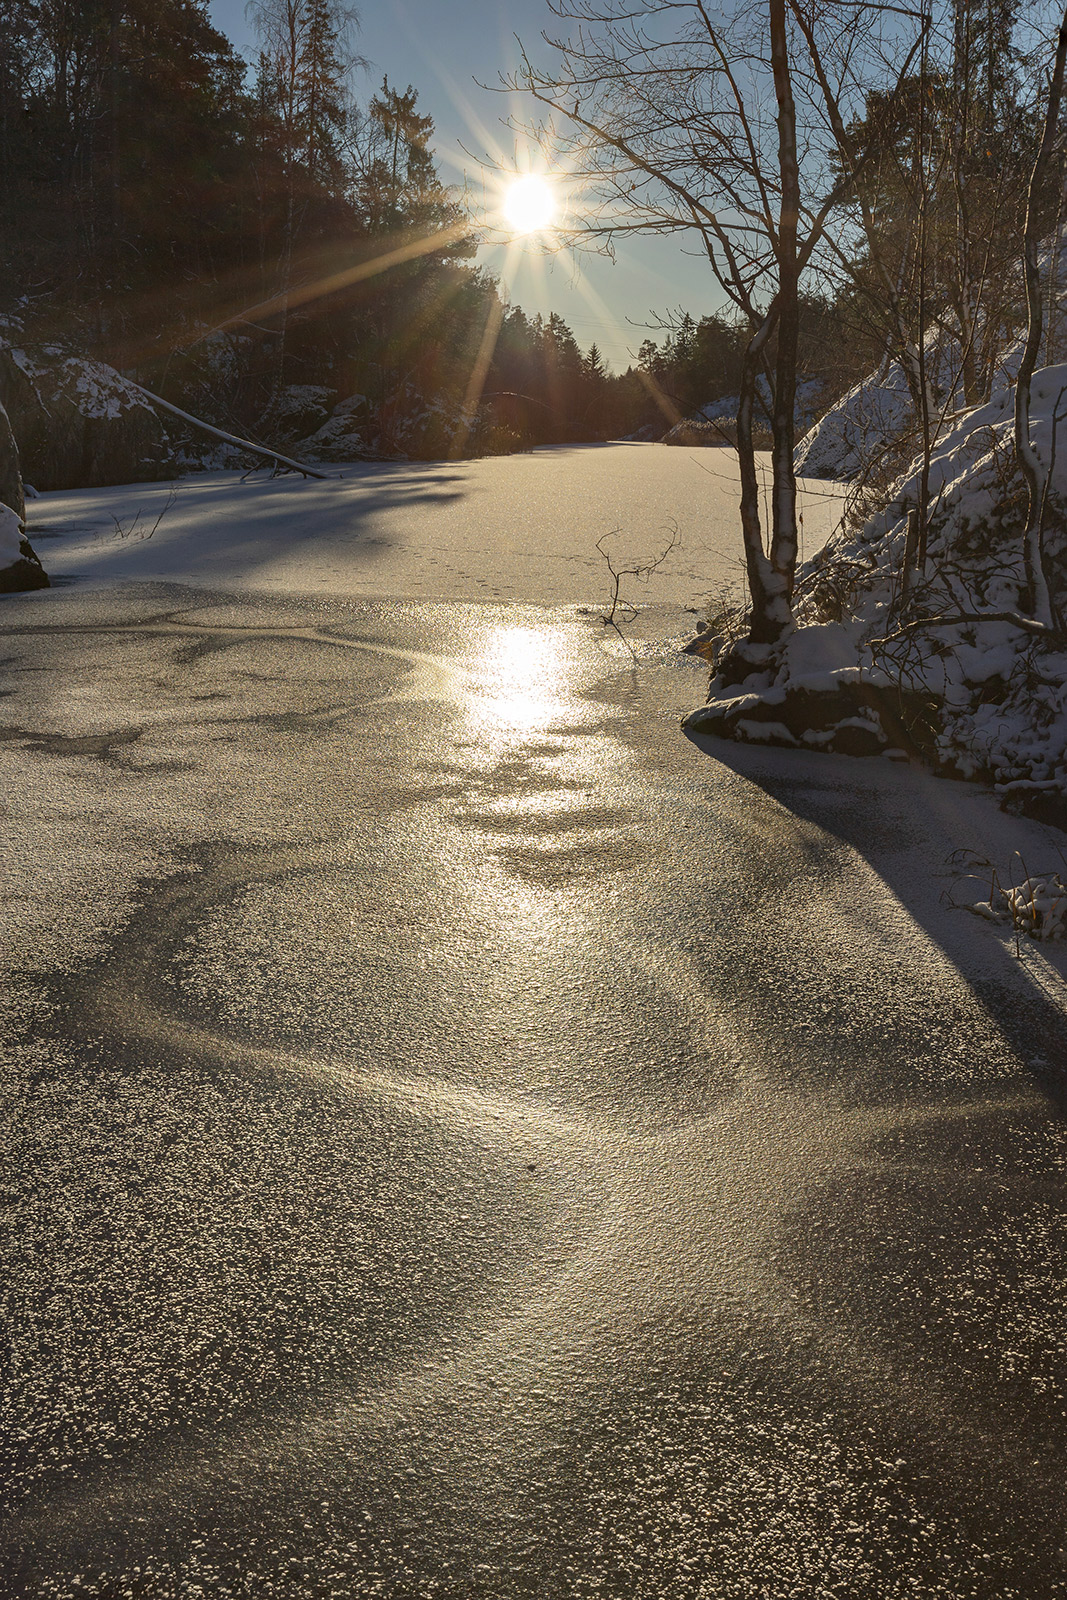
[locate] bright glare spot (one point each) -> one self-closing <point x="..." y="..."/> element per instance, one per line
<point x="529" y="204"/>
<point x="521" y="673"/>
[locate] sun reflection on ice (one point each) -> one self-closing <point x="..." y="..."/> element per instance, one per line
<point x="521" y="679"/>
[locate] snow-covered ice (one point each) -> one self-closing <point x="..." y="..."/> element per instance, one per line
<point x="506" y="527"/>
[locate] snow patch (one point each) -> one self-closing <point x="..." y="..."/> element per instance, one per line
<point x="10" y="536"/>
<point x="863" y="421"/>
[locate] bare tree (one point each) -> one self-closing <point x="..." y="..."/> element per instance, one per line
<point x="1037" y="575"/>
<point x="891" y="274"/>
<point x="940" y="211"/>
<point x="671" y="117"/>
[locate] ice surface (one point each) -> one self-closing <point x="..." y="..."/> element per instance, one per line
<point x="513" y="527"/>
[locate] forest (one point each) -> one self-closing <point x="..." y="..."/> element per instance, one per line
<point x="261" y="246"/>
<point x="258" y="246"/>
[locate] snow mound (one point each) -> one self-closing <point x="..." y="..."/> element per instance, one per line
<point x="1037" y="906"/>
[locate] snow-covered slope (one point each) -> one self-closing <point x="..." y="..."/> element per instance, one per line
<point x="982" y="694"/>
<point x="863" y="421"/>
<point x="869" y="432"/>
<point x="1004" y="694"/>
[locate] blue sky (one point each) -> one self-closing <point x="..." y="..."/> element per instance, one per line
<point x="442" y="48"/>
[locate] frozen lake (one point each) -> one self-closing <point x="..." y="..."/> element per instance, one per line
<point x="467" y="1139"/>
<point x="520" y="527"/>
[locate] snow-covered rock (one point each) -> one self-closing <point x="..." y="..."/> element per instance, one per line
<point x="10" y="536"/>
<point x="405" y="426"/>
<point x="715" y="424"/>
<point x="343" y="436"/>
<point x="12" y="489"/>
<point x="710" y="433"/>
<point x="19" y="566"/>
<point x="79" y="423"/>
<point x="298" y="411"/>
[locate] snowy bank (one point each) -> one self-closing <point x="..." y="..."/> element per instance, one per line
<point x="947" y="672"/>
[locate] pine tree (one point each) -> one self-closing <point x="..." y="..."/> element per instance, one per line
<point x="107" y="105"/>
<point x="303" y="77"/>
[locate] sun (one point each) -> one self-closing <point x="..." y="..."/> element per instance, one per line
<point x="530" y="204"/>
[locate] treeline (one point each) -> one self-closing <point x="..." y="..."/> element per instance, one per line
<point x="238" y="240"/>
<point x="152" y="195"/>
<point x="259" y="246"/>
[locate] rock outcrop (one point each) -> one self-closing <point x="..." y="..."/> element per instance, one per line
<point x="855" y="718"/>
<point x="78" y="423"/>
<point x="11" y="492"/>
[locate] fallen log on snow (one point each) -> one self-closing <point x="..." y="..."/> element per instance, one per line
<point x="231" y="438"/>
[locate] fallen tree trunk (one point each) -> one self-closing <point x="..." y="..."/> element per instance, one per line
<point x="231" y="438"/>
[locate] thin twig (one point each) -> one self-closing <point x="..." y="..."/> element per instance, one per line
<point x="643" y="569"/>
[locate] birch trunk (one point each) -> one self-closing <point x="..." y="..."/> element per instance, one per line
<point x="784" y="489"/>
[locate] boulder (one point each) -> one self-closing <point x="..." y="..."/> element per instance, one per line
<point x="79" y="423"/>
<point x="11" y="493"/>
<point x="19" y="566"/>
<point x="298" y="411"/>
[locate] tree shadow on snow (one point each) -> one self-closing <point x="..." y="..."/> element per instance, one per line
<point x="213" y="516"/>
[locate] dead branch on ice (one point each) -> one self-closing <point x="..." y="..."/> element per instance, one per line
<point x="230" y="438"/>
